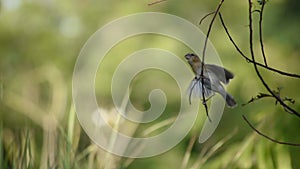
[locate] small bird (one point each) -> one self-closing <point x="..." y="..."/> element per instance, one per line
<point x="213" y="77"/>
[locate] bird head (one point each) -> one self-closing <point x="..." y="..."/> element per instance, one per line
<point x="192" y="58"/>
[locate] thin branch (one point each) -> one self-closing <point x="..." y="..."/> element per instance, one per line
<point x="260" y="32"/>
<point x="258" y="11"/>
<point x="205" y="104"/>
<point x="248" y="59"/>
<point x="197" y="80"/>
<point x="267" y="137"/>
<point x="231" y="39"/>
<point x="265" y="95"/>
<point x="202" y="19"/>
<point x="256" y="68"/>
<point x="258" y="97"/>
<point x="208" y="33"/>
<point x="156" y="2"/>
<point x="204" y="51"/>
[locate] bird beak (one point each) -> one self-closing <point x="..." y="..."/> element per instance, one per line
<point x="188" y="56"/>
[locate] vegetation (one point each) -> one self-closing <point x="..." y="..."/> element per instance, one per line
<point x="40" y="41"/>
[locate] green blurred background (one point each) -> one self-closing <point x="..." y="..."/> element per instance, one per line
<point x="41" y="39"/>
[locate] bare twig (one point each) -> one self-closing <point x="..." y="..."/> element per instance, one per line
<point x="267" y="137"/>
<point x="248" y="59"/>
<point x="258" y="97"/>
<point x="204" y="51"/>
<point x="202" y="19"/>
<point x="265" y="95"/>
<point x="256" y="68"/>
<point x="260" y="32"/>
<point x="156" y="2"/>
<point x="195" y="81"/>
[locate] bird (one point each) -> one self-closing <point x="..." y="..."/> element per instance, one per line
<point x="213" y="78"/>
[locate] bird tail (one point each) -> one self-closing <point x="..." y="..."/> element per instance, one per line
<point x="230" y="101"/>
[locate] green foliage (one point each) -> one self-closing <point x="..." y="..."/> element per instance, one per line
<point x="40" y="41"/>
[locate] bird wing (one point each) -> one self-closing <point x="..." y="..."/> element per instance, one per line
<point x="221" y="73"/>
